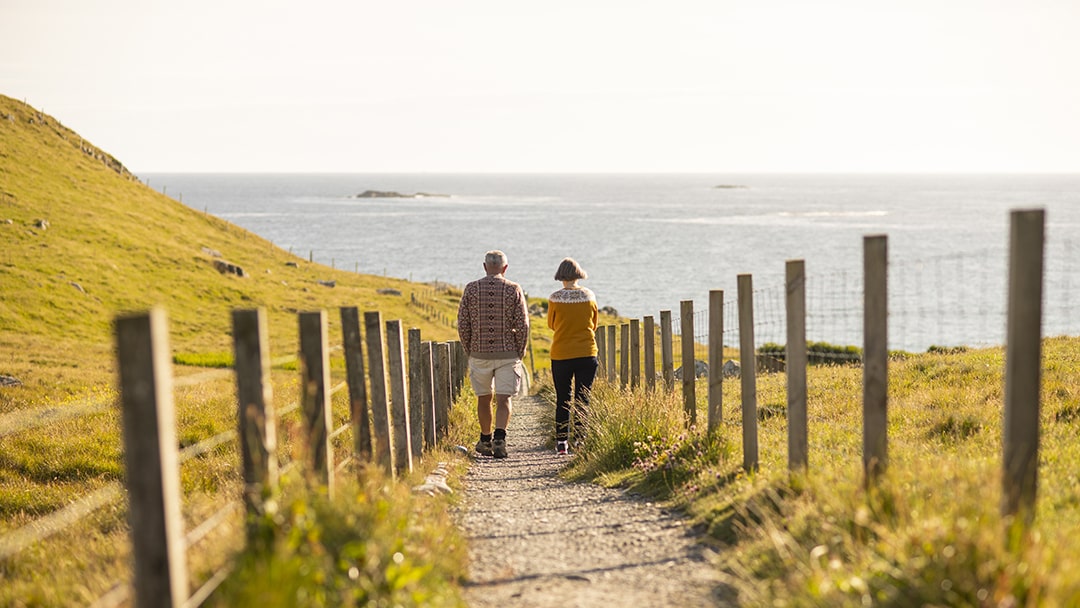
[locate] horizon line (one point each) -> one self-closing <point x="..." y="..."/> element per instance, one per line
<point x="627" y="172"/>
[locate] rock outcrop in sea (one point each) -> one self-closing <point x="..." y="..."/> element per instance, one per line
<point x="392" y="194"/>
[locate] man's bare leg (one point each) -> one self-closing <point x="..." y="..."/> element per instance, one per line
<point x="483" y="412"/>
<point x="503" y="409"/>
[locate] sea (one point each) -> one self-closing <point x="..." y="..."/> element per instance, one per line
<point x="650" y="241"/>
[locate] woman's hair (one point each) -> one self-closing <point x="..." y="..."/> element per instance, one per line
<point x="569" y="270"/>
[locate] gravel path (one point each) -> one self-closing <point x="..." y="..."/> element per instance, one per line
<point x="538" y="540"/>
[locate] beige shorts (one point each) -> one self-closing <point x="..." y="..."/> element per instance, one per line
<point x="505" y="374"/>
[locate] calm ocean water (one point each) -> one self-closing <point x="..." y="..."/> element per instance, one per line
<point x="649" y="241"/>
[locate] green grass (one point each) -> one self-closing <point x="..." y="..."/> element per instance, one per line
<point x="218" y="360"/>
<point x="929" y="534"/>
<point x="373" y="543"/>
<point x="113" y="245"/>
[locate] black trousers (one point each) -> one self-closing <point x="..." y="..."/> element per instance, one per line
<point x="577" y="374"/>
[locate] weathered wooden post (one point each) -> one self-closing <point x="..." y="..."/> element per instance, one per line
<point x="689" y="368"/>
<point x="1023" y="361"/>
<point x="624" y="355"/>
<point x="416" y="398"/>
<point x="748" y="376"/>
<point x="254" y="394"/>
<point x="151" y="460"/>
<point x="650" y="354"/>
<point x="462" y="366"/>
<point x="455" y="371"/>
<point x="875" y="357"/>
<point x="315" y="395"/>
<point x="380" y="405"/>
<point x="795" y="361"/>
<point x="427" y="396"/>
<point x="667" y="352"/>
<point x="354" y="375"/>
<point x="440" y="358"/>
<point x="716" y="358"/>
<point x="601" y="352"/>
<point x="635" y="354"/>
<point x="611" y="367"/>
<point x="399" y="397"/>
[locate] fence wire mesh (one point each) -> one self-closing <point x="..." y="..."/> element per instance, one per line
<point x="950" y="300"/>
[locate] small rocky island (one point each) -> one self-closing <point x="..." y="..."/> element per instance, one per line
<point x="729" y="186"/>
<point x="392" y="194"/>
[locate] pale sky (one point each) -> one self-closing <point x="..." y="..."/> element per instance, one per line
<point x="595" y="86"/>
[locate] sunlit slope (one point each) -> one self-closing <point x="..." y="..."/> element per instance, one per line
<point x="86" y="241"/>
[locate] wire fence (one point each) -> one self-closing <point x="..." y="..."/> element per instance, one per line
<point x="951" y="300"/>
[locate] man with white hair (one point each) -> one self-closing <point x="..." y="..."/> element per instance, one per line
<point x="493" y="324"/>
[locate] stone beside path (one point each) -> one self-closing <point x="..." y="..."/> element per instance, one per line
<point x="537" y="540"/>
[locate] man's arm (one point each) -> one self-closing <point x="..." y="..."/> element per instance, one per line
<point x="464" y="320"/>
<point x="521" y="323"/>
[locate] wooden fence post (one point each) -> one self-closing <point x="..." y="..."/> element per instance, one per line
<point x="601" y="352"/>
<point x="716" y="359"/>
<point x="462" y="363"/>
<point x="532" y="358"/>
<point x="748" y="375"/>
<point x="150" y="455"/>
<point x="795" y="362"/>
<point x="650" y="354"/>
<point x="441" y="386"/>
<point x="399" y="397"/>
<point x="455" y="371"/>
<point x="427" y="396"/>
<point x="875" y="357"/>
<point x="380" y="405"/>
<point x="624" y="354"/>
<point x="667" y="353"/>
<point x="254" y="392"/>
<point x="354" y="374"/>
<point x="1023" y="361"/>
<point x="611" y="367"/>
<point x="416" y="398"/>
<point x="315" y="395"/>
<point x="635" y="354"/>
<point x="689" y="368"/>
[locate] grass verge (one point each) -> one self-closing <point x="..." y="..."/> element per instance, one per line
<point x="373" y="544"/>
<point x="929" y="534"/>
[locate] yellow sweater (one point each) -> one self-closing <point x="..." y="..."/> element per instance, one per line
<point x="572" y="315"/>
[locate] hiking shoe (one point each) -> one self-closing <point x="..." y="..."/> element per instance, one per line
<point x="561" y="448"/>
<point x="498" y="448"/>
<point x="484" y="448"/>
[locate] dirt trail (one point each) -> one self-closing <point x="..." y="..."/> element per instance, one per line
<point x="537" y="540"/>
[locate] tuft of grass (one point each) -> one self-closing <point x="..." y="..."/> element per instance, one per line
<point x="209" y="359"/>
<point x="818" y="353"/>
<point x="373" y="543"/>
<point x="952" y="428"/>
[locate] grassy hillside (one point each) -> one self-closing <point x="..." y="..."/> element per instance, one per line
<point x="112" y="244"/>
<point x="82" y="240"/>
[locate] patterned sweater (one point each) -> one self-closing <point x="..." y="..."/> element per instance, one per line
<point x="572" y="314"/>
<point x="493" y="319"/>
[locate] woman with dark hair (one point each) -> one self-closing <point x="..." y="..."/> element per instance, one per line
<point x="572" y="315"/>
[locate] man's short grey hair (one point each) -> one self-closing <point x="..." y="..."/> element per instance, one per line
<point x="495" y="259"/>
